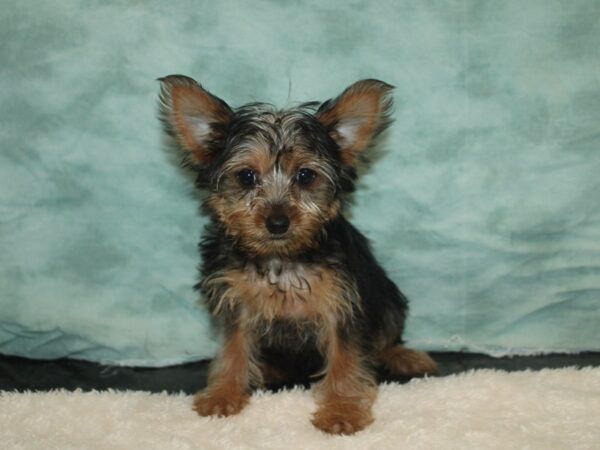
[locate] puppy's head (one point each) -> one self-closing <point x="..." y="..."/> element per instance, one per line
<point x="274" y="177"/>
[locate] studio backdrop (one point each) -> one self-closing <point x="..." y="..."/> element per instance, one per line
<point x="482" y="203"/>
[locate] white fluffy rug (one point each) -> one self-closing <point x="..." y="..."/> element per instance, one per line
<point x="550" y="409"/>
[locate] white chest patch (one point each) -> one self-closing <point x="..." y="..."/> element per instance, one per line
<point x="289" y="277"/>
<point x="283" y="289"/>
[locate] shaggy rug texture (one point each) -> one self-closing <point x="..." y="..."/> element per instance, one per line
<point x="549" y="409"/>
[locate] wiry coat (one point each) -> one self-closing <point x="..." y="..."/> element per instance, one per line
<point x="297" y="288"/>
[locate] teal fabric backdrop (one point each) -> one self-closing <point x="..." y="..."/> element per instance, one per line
<point x="483" y="205"/>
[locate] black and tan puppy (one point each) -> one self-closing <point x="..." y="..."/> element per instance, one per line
<point x="294" y="283"/>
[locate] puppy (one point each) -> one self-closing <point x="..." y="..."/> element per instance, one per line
<point x="294" y="284"/>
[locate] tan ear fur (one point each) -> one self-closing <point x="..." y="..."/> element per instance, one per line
<point x="357" y="116"/>
<point x="193" y="115"/>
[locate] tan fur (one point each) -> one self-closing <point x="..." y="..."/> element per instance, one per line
<point x="347" y="392"/>
<point x="190" y="100"/>
<point x="230" y="378"/>
<point x="255" y="154"/>
<point x="364" y="103"/>
<point x="407" y="362"/>
<point x="286" y="290"/>
<point x="245" y="213"/>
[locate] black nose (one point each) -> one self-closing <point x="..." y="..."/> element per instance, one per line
<point x="278" y="223"/>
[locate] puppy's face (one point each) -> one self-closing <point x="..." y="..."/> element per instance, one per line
<point x="275" y="178"/>
<point x="276" y="183"/>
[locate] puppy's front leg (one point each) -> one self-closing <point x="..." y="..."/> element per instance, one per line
<point x="347" y="392"/>
<point x="230" y="377"/>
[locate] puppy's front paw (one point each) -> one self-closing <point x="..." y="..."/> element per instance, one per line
<point x="219" y="404"/>
<point x="342" y="419"/>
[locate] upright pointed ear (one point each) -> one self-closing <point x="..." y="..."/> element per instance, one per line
<point x="357" y="116"/>
<point x="194" y="116"/>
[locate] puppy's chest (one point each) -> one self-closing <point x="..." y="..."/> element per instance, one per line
<point x="281" y="289"/>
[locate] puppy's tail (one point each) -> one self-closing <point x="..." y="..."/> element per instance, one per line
<point x="405" y="362"/>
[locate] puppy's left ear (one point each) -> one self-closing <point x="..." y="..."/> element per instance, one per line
<point x="357" y="116"/>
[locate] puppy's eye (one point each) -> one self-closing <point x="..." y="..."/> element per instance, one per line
<point x="247" y="177"/>
<point x="305" y="177"/>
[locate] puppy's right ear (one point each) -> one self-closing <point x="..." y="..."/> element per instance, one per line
<point x="196" y="118"/>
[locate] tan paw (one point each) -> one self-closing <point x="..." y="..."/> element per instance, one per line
<point x="407" y="362"/>
<point x="218" y="404"/>
<point x="334" y="419"/>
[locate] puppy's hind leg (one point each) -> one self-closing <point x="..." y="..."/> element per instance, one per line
<point x="406" y="362"/>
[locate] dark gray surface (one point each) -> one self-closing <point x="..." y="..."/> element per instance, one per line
<point x="22" y="374"/>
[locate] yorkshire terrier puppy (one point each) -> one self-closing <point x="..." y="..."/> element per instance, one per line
<point x="297" y="289"/>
